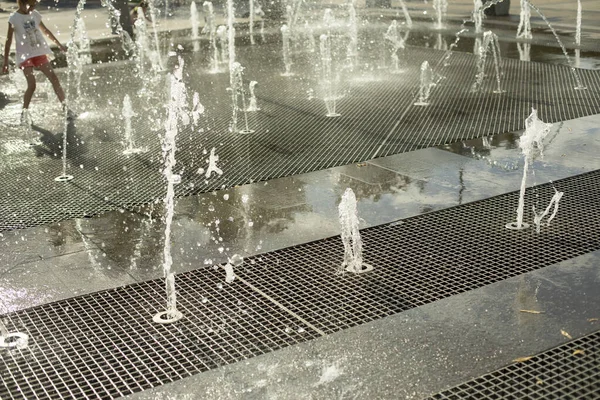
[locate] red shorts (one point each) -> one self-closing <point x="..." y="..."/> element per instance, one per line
<point x="34" y="61"/>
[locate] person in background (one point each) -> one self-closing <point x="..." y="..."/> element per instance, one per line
<point x="141" y="8"/>
<point x="32" y="52"/>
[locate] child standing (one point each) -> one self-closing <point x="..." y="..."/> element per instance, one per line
<point x="31" y="51"/>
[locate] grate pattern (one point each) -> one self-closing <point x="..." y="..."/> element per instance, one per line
<point x="429" y="257"/>
<point x="569" y="371"/>
<point x="292" y="133"/>
<point x="103" y="345"/>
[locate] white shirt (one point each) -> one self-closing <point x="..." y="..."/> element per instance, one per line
<point x="28" y="37"/>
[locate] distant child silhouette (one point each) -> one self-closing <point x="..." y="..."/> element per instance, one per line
<point x="32" y="52"/>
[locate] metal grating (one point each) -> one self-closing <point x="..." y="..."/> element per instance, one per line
<point x="292" y="133"/>
<point x="429" y="257"/>
<point x="568" y="371"/>
<point x="104" y="345"/>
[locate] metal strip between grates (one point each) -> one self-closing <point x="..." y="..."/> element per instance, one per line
<point x="292" y="136"/>
<point x="104" y="345"/>
<point x="568" y="371"/>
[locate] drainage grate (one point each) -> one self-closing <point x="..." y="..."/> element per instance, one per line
<point x="429" y="257"/>
<point x="104" y="345"/>
<point x="292" y="133"/>
<point x="569" y="371"/>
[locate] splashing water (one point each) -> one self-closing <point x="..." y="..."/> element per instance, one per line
<point x="253" y="103"/>
<point x="212" y="164"/>
<point x="287" y="60"/>
<point x="327" y="77"/>
<point x="352" y="49"/>
<point x="234" y="262"/>
<point x="426" y="84"/>
<point x="524" y="28"/>
<point x="489" y="43"/>
<point x="195" y="26"/>
<point x="532" y="145"/>
<point x="537" y="219"/>
<point x="176" y="112"/>
<point x="353" y="260"/>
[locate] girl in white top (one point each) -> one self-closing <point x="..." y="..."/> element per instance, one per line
<point x="31" y="49"/>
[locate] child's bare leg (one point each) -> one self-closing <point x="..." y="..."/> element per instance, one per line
<point x="49" y="72"/>
<point x="28" y="71"/>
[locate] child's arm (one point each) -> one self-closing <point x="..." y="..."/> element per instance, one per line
<point x="51" y="36"/>
<point x="9" y="36"/>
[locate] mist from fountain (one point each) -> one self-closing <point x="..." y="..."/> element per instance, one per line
<point x="195" y="26"/>
<point x="128" y="114"/>
<point x="352" y="49"/>
<point x="531" y="144"/>
<point x="425" y="85"/>
<point x="211" y="29"/>
<point x="328" y="80"/>
<point x="85" y="53"/>
<point x="253" y="103"/>
<point x="251" y="21"/>
<point x="578" y="28"/>
<point x="237" y="93"/>
<point x="407" y="17"/>
<point x="222" y="36"/>
<point x="157" y="63"/>
<point x="230" y="34"/>
<point x="488" y="44"/>
<point x="478" y="16"/>
<point x="285" y="41"/>
<point x="440" y="7"/>
<point x="310" y="37"/>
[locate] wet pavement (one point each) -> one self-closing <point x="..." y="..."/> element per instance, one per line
<point x="420" y="351"/>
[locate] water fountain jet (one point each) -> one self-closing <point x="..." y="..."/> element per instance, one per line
<point x="531" y="144"/>
<point x="353" y="260"/>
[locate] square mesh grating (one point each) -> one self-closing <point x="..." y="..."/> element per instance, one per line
<point x="429" y="257"/>
<point x="292" y="133"/>
<point x="569" y="371"/>
<point x="103" y="345"/>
